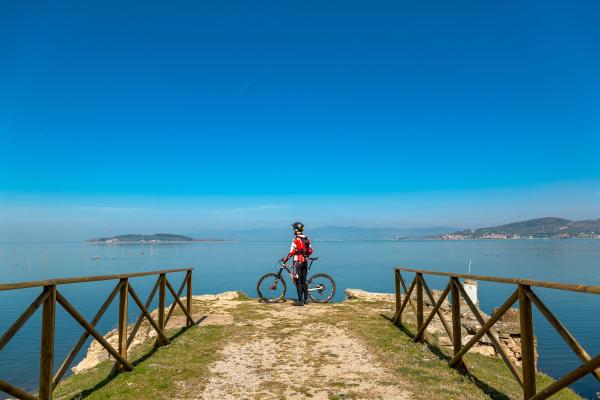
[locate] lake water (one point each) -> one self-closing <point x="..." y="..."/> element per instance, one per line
<point x="237" y="266"/>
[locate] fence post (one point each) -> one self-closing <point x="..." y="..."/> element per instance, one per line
<point x="527" y="346"/>
<point x="161" y="302"/>
<point x="47" y="344"/>
<point x="456" y="327"/>
<point x="123" y="314"/>
<point x="419" y="288"/>
<point x="189" y="296"/>
<point x="398" y="317"/>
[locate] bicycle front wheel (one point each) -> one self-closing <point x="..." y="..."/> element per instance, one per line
<point x="271" y="288"/>
<point x="321" y="288"/>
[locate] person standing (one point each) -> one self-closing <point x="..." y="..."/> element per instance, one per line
<point x="300" y="250"/>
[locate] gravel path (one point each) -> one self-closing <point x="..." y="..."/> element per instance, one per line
<point x="294" y="353"/>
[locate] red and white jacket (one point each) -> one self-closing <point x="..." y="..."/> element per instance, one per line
<point x="298" y="251"/>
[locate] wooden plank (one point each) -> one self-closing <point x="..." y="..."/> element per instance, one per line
<point x="414" y="308"/>
<point x="189" y="295"/>
<point x="18" y="324"/>
<point x="527" y="282"/>
<point x="440" y="316"/>
<point x="177" y="300"/>
<point x="137" y="325"/>
<point x="408" y="294"/>
<point x="527" y="345"/>
<point x="16" y="391"/>
<point x="86" y="325"/>
<point x="123" y="319"/>
<point x="397" y="316"/>
<point x="73" y="353"/>
<point x="497" y="345"/>
<point x="161" y="300"/>
<point x="485" y="328"/>
<point x="83" y="279"/>
<point x="47" y="344"/>
<point x="566" y="380"/>
<point x="172" y="308"/>
<point x="137" y="300"/>
<point x="456" y="326"/>
<point x="436" y="308"/>
<point x="419" y="279"/>
<point x="161" y="304"/>
<point x="562" y="331"/>
<point x="142" y="316"/>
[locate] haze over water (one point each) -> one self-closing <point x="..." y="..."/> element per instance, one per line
<point x="367" y="265"/>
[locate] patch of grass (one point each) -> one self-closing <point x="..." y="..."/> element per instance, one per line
<point x="158" y="373"/>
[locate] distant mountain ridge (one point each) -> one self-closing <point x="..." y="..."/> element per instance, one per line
<point x="539" y="228"/>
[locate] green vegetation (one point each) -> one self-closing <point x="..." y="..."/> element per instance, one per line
<point x="157" y="371"/>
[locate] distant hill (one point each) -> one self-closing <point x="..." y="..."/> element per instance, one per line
<point x="334" y="233"/>
<point x="157" y="237"/>
<point x="539" y="228"/>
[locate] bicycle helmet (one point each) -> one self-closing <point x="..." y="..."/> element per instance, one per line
<point x="298" y="226"/>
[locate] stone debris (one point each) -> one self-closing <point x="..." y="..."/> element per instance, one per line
<point x="230" y="295"/>
<point x="359" y="294"/>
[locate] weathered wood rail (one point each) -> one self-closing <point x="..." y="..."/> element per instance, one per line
<point x="525" y="376"/>
<point x="50" y="296"/>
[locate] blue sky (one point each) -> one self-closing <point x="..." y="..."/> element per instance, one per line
<point x="115" y="116"/>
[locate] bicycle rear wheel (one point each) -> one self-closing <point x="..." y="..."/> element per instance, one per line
<point x="271" y="288"/>
<point x="321" y="288"/>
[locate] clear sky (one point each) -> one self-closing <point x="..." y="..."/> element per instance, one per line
<point x="171" y="116"/>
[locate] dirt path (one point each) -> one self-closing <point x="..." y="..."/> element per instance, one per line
<point x="285" y="352"/>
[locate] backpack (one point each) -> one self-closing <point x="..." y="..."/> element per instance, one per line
<point x="306" y="245"/>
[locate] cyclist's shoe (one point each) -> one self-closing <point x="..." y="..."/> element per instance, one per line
<point x="297" y="303"/>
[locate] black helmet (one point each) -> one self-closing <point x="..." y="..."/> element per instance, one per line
<point x="298" y="226"/>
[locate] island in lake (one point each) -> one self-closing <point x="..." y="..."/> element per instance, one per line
<point x="155" y="238"/>
<point x="539" y="228"/>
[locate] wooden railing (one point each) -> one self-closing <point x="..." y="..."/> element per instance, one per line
<point x="50" y="295"/>
<point x="525" y="295"/>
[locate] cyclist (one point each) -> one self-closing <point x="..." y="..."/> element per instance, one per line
<point x="301" y="249"/>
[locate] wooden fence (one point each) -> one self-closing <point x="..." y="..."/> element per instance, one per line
<point x="50" y="295"/>
<point x="526" y="297"/>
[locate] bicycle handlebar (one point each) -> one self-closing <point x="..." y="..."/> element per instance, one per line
<point x="311" y="259"/>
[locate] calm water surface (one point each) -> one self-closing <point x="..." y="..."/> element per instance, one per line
<point x="236" y="266"/>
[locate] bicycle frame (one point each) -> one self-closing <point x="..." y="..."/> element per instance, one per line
<point x="284" y="266"/>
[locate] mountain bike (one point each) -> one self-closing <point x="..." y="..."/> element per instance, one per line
<point x="271" y="287"/>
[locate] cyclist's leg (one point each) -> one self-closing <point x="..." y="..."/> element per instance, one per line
<point x="304" y="284"/>
<point x="298" y="281"/>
